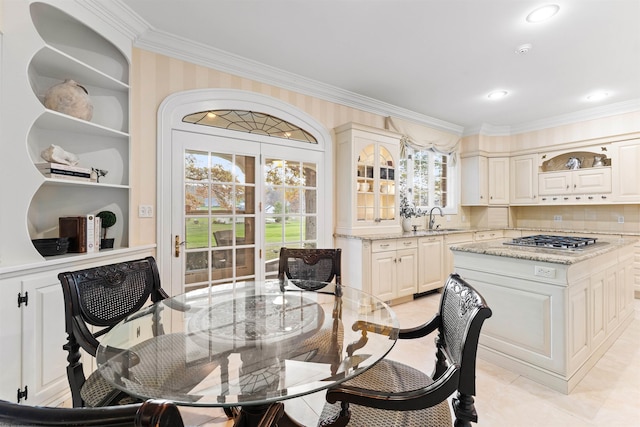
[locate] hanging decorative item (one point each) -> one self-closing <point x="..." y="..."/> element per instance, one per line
<point x="70" y="98"/>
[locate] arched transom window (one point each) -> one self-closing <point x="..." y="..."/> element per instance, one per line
<point x="250" y="122"/>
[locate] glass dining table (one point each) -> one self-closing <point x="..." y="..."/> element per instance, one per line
<point x="245" y="346"/>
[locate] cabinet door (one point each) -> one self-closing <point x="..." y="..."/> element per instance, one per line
<point x="383" y="274"/>
<point x="474" y="187"/>
<point x="598" y="309"/>
<point x="626" y="175"/>
<point x="550" y="183"/>
<point x="523" y="185"/>
<point x="499" y="181"/>
<point x="406" y="272"/>
<point x="592" y="180"/>
<point x="43" y="359"/>
<point x="578" y="318"/>
<point x="430" y="263"/>
<point x="10" y="335"/>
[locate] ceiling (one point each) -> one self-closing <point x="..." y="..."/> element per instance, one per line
<point x="436" y="58"/>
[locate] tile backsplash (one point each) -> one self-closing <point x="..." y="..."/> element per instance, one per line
<point x="605" y="218"/>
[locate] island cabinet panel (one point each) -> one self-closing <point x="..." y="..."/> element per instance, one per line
<point x="555" y="313"/>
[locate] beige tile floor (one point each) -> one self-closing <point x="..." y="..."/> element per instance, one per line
<point x="608" y="396"/>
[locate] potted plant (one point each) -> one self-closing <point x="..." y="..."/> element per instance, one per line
<point x="408" y="211"/>
<point x="108" y="220"/>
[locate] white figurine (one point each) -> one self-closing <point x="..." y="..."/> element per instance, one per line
<point x="56" y="154"/>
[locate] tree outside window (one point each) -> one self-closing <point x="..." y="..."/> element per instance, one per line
<point x="425" y="176"/>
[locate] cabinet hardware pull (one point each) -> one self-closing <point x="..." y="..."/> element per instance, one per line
<point x="384" y="245"/>
<point x="407" y="243"/>
<point x="604" y="197"/>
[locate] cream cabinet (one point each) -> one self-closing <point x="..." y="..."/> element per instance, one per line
<point x="626" y="174"/>
<point x="523" y="182"/>
<point x="451" y="240"/>
<point x="430" y="263"/>
<point x="485" y="181"/>
<point x="367" y="200"/>
<point x="581" y="181"/>
<point x="394" y="268"/>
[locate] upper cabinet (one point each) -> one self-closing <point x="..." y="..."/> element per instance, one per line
<point x="485" y="181"/>
<point x="523" y="179"/>
<point x="626" y="174"/>
<point x="575" y="177"/>
<point x="367" y="177"/>
<point x="45" y="46"/>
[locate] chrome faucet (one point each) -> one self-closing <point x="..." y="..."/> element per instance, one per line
<point x="432" y="220"/>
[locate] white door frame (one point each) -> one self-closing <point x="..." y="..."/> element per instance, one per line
<point x="176" y="106"/>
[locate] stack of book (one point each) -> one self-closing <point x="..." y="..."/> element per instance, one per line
<point x="62" y="171"/>
<point x="83" y="232"/>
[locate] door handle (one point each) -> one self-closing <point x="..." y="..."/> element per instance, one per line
<point x="177" y="244"/>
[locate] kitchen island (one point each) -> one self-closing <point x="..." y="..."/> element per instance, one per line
<point x="555" y="311"/>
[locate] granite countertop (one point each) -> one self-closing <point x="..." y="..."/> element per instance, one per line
<point x="556" y="256"/>
<point x="443" y="231"/>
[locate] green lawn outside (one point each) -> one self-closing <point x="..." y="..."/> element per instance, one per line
<point x="197" y="232"/>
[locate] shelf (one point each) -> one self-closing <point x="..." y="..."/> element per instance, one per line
<point x="55" y="121"/>
<point x="70" y="182"/>
<point x="57" y="65"/>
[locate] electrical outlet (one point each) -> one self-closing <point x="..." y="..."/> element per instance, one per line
<point x="557" y="218"/>
<point x="547" y="272"/>
<point x="620" y="220"/>
<point x="145" y="211"/>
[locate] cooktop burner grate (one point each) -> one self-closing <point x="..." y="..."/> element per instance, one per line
<point x="556" y="242"/>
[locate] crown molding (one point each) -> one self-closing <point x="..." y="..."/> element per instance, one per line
<point x="561" y="120"/>
<point x="168" y="44"/>
<point x="118" y="16"/>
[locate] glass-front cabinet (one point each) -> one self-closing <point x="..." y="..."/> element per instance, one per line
<point x="366" y="180"/>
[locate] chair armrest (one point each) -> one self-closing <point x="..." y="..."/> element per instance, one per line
<point x="362" y="325"/>
<point x="422" y="398"/>
<point x="422" y="330"/>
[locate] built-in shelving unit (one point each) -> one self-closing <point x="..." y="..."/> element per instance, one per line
<point x="72" y="50"/>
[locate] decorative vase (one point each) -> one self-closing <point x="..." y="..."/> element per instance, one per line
<point x="406" y="224"/>
<point x="69" y="98"/>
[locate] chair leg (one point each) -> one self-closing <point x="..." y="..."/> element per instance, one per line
<point x="465" y="410"/>
<point x="75" y="373"/>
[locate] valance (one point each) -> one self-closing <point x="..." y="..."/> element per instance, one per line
<point x="421" y="137"/>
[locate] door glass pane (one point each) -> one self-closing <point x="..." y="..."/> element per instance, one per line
<point x="219" y="217"/>
<point x="290" y="207"/>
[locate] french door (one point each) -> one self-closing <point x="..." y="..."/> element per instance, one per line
<point x="235" y="202"/>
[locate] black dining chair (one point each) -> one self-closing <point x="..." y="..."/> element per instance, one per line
<point x="152" y="413"/>
<point x="394" y="394"/>
<point x="311" y="269"/>
<point x="304" y="266"/>
<point x="97" y="299"/>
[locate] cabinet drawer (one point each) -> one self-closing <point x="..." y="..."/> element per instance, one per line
<point x="458" y="238"/>
<point x="488" y="235"/>
<point x="406" y="243"/>
<point x="383" y="245"/>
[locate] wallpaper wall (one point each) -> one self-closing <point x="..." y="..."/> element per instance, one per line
<point x="155" y="76"/>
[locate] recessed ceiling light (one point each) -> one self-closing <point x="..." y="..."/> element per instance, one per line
<point x="543" y="13"/>
<point x="597" y="96"/>
<point x="497" y="94"/>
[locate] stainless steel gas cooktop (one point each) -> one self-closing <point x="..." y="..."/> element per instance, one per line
<point x="554" y="242"/>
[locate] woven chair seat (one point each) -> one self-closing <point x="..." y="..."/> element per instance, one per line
<point x="96" y="390"/>
<point x="390" y="376"/>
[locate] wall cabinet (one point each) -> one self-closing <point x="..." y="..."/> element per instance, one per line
<point x="394" y="267"/>
<point x="366" y="169"/>
<point x="485" y="181"/>
<point x="43" y="46"/>
<point x="430" y="263"/>
<point x="523" y="180"/>
<point x="626" y="174"/>
<point x="576" y="183"/>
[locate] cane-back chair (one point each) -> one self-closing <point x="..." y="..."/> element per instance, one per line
<point x="306" y="266"/>
<point x="98" y="298"/>
<point x="394" y="394"/>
